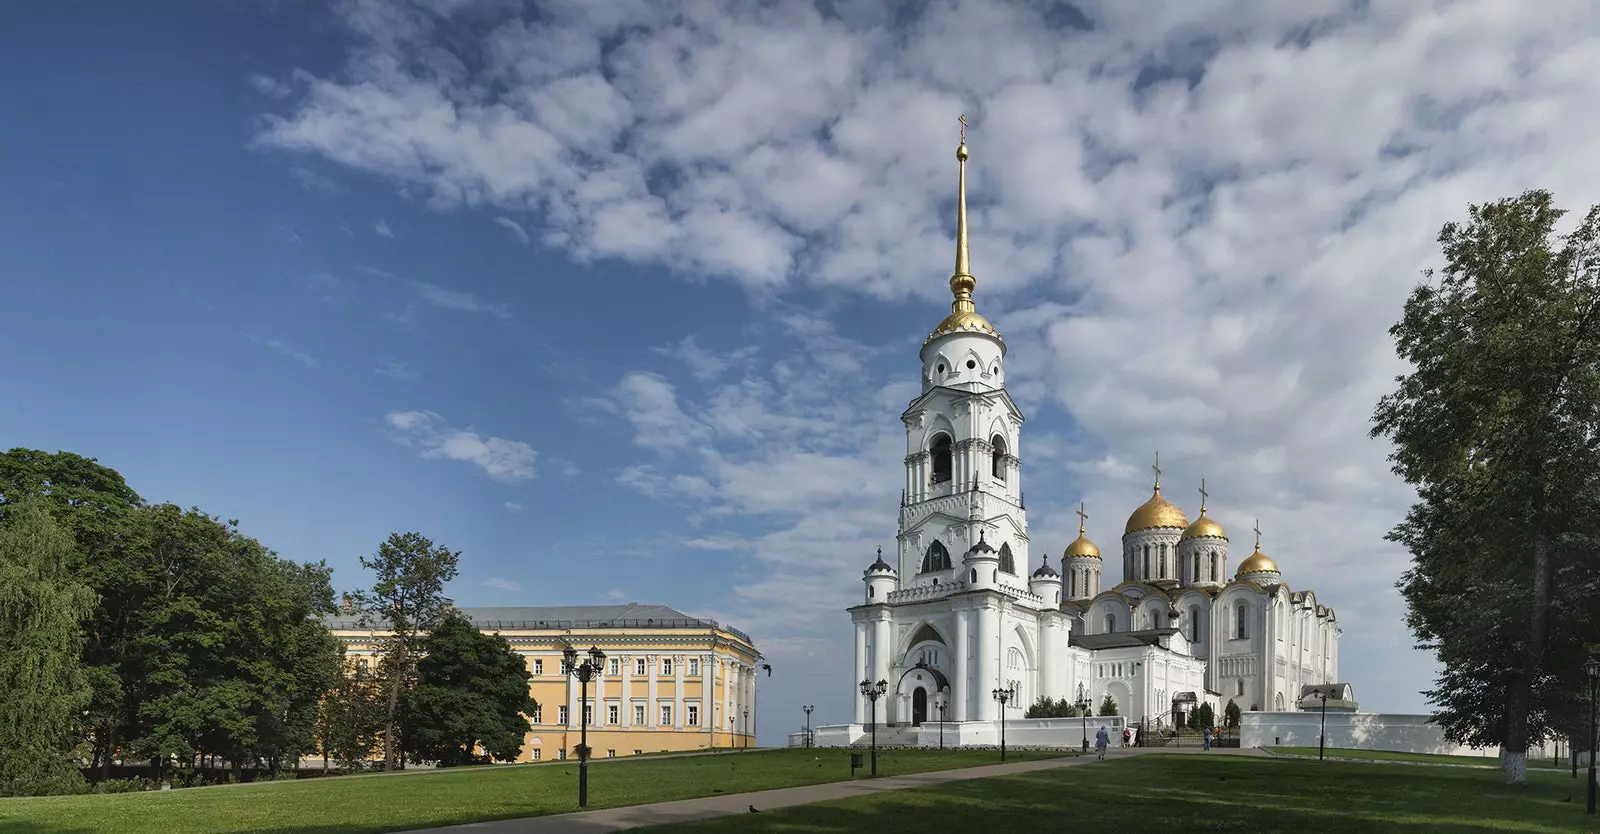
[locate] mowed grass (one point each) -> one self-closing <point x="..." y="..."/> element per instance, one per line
<point x="1184" y="793"/>
<point x="1395" y="756"/>
<point x="399" y="801"/>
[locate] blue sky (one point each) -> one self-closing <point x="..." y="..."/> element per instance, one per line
<point x="624" y="301"/>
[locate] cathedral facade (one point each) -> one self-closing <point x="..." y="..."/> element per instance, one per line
<point x="954" y="615"/>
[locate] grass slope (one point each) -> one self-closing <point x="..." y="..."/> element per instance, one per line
<point x="1396" y="756"/>
<point x="419" y="800"/>
<point x="1183" y="793"/>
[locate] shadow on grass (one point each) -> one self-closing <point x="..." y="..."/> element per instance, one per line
<point x="1196" y="793"/>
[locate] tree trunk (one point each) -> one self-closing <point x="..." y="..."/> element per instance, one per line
<point x="396" y="677"/>
<point x="111" y="747"/>
<point x="1514" y="750"/>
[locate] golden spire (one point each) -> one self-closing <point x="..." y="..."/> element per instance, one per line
<point x="961" y="281"/>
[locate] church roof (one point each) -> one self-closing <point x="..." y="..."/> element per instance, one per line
<point x="1123" y="639"/>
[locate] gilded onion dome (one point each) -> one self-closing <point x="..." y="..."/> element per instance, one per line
<point x="963" y="316"/>
<point x="1204" y="526"/>
<point x="1158" y="511"/>
<point x="1257" y="562"/>
<point x="1081" y="546"/>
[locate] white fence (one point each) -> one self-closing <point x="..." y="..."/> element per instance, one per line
<point x="1356" y="731"/>
<point x="1067" y="733"/>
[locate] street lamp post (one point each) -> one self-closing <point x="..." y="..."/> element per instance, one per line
<point x="1593" y="668"/>
<point x="1083" y="711"/>
<point x="746" y="741"/>
<point x="808" y="708"/>
<point x="940" y="701"/>
<point x="874" y="691"/>
<point x="585" y="672"/>
<point x="1322" y="737"/>
<point x="1004" y="696"/>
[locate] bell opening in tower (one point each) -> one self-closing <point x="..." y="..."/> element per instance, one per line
<point x="997" y="458"/>
<point x="941" y="459"/>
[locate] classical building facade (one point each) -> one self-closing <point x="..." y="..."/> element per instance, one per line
<point x="670" y="682"/>
<point x="955" y="613"/>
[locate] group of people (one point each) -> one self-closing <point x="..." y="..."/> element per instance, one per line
<point x="1102" y="739"/>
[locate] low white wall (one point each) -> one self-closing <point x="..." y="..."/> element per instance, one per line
<point x="1355" y="731"/>
<point x="1066" y="733"/>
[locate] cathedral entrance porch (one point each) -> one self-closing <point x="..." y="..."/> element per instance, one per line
<point x="919" y="706"/>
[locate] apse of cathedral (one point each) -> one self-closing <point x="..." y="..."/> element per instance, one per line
<point x="955" y="614"/>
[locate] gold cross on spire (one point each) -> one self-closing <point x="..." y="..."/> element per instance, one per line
<point x="1157" y="468"/>
<point x="1203" y="496"/>
<point x="1258" y="534"/>
<point x="963" y="121"/>
<point x="1083" y="518"/>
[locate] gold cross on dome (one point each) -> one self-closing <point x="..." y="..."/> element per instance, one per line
<point x="963" y="121"/>
<point x="1083" y="517"/>
<point x="1258" y="534"/>
<point x="1203" y="495"/>
<point x="1157" y="468"/>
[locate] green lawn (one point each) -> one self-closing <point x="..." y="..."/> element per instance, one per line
<point x="1394" y="756"/>
<point x="399" y="801"/>
<point x="1183" y="793"/>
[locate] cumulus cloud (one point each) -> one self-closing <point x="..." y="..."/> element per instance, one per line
<point x="382" y="228"/>
<point x="514" y="507"/>
<point x="504" y="460"/>
<point x="1193" y="222"/>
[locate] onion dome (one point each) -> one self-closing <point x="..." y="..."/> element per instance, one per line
<point x="1203" y="527"/>
<point x="982" y="548"/>
<point x="963" y="316"/>
<point x="1081" y="547"/>
<point x="1045" y="571"/>
<point x="1257" y="562"/>
<point x="1158" y="511"/>
<point x="880" y="566"/>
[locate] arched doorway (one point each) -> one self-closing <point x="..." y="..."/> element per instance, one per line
<point x="919" y="706"/>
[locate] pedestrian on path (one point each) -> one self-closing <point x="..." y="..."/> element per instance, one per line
<point x="1101" y="740"/>
<point x="1205" y="739"/>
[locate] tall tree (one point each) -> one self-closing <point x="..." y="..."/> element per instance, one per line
<point x="471" y="692"/>
<point x="406" y="601"/>
<point x="42" y="608"/>
<point x="1496" y="427"/>
<point x="351" y="722"/>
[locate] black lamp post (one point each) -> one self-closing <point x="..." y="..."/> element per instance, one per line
<point x="745" y="742"/>
<point x="808" y="708"/>
<point x="1593" y="668"/>
<point x="585" y="672"/>
<point x="1083" y="711"/>
<point x="1322" y="739"/>
<point x="874" y="691"/>
<point x="1004" y="696"/>
<point x="941" y="701"/>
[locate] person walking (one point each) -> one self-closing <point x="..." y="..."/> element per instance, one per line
<point x="1205" y="739"/>
<point x="1101" y="740"/>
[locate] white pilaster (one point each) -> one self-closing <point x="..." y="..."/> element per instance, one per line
<point x="960" y="709"/>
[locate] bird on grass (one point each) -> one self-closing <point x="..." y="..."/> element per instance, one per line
<point x="753" y="810"/>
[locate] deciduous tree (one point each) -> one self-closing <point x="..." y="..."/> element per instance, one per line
<point x="1496" y="427"/>
<point x="471" y="692"/>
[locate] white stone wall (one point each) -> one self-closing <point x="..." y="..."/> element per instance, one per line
<point x="1355" y="731"/>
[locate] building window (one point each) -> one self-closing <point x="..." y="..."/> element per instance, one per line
<point x="941" y="459"/>
<point x="588" y="713"/>
<point x="694" y="666"/>
<point x="361" y="664"/>
<point x="538" y="666"/>
<point x="1194" y="623"/>
<point x="1239" y="619"/>
<point x="614" y="667"/>
<point x="997" y="458"/>
<point x="638" y="666"/>
<point x="563" y="715"/>
<point x="638" y="713"/>
<point x="538" y="715"/>
<point x="1146" y="574"/>
<point x="1111" y="623"/>
<point x="535" y="754"/>
<point x="666" y="666"/>
<point x="561" y="754"/>
<point x="613" y="714"/>
<point x="1216" y="567"/>
<point x="666" y="714"/>
<point x="611" y="754"/>
<point x="693" y="716"/>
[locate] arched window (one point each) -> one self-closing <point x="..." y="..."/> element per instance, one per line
<point x="1072" y="581"/>
<point x="1146" y="573"/>
<point x="941" y="458"/>
<point x="1216" y="567"/>
<point x="1008" y="562"/>
<point x="1194" y="575"/>
<point x="1163" y="557"/>
<point x="997" y="458"/>
<point x="1194" y="623"/>
<point x="1239" y="621"/>
<point x="974" y="576"/>
<point x="1111" y="623"/>
<point x="871" y="592"/>
<point x="1014" y="659"/>
<point x="1155" y="619"/>
<point x="936" y="558"/>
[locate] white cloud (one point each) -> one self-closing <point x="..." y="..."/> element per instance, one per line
<point x="514" y="507"/>
<point x="616" y="593"/>
<point x="286" y="349"/>
<point x="1193" y="222"/>
<point x="313" y="181"/>
<point x="504" y="460"/>
<point x="514" y="227"/>
<point x="270" y="87"/>
<point x="382" y="228"/>
<point x="394" y="369"/>
<point x="502" y="584"/>
<point x="444" y="298"/>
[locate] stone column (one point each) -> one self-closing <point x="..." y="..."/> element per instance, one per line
<point x="652" y="713"/>
<point x="627" y="692"/>
<point x="708" y="694"/>
<point x="988" y="709"/>
<point x="862" y="659"/>
<point x="677" y="691"/>
<point x="880" y="660"/>
<point x="959" y="708"/>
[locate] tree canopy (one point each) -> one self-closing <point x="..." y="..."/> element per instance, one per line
<point x="471" y="692"/>
<point x="1497" y="427"/>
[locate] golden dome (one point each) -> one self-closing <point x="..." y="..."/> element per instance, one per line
<point x="1081" y="546"/>
<point x="1157" y="512"/>
<point x="1257" y="563"/>
<point x="1203" y="526"/>
<point x="963" y="321"/>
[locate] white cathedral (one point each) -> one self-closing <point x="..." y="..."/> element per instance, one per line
<point x="957" y="615"/>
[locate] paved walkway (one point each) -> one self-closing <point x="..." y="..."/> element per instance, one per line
<point x="707" y="807"/>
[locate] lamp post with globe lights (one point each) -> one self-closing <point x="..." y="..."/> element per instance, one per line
<point x="1593" y="670"/>
<point x="808" y="708"/>
<point x="1083" y="712"/>
<point x="874" y="691"/>
<point x="1004" y="696"/>
<point x="584" y="672"/>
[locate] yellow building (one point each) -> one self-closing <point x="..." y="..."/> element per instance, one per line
<point x="669" y="682"/>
